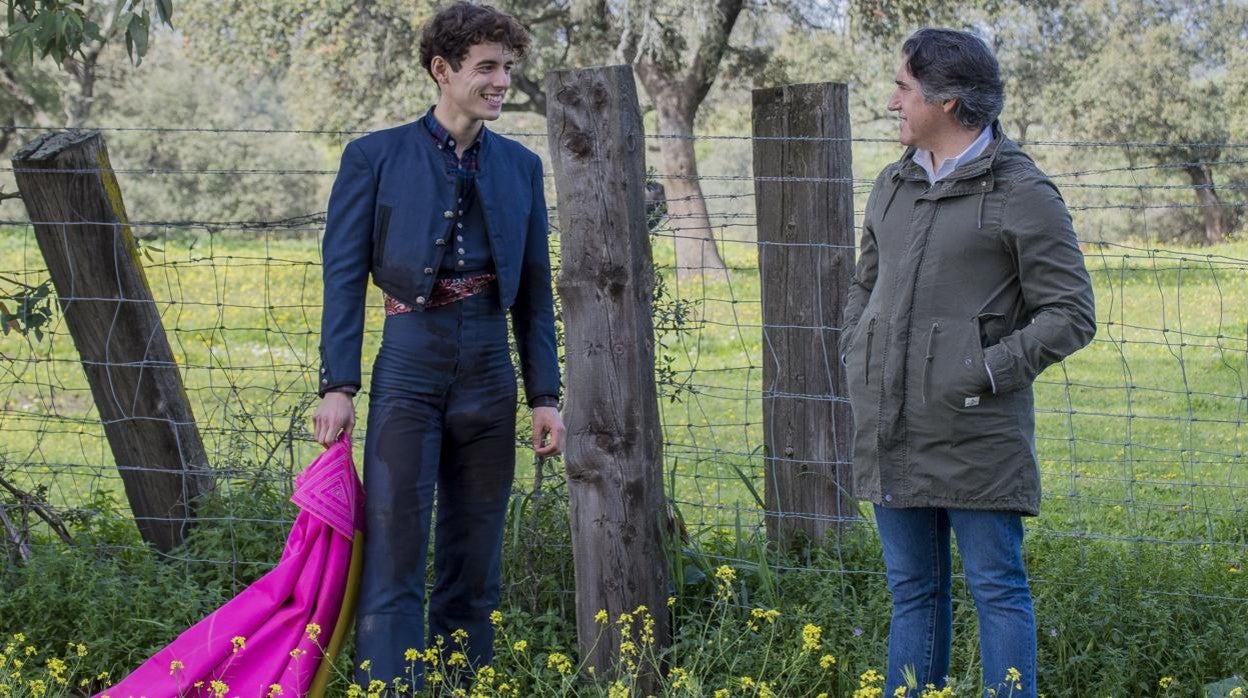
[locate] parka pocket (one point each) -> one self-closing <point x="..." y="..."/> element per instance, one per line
<point x="858" y="357"/>
<point x="383" y="229"/>
<point x="954" y="365"/>
<point x="866" y="356"/>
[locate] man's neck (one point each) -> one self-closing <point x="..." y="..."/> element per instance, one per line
<point x="462" y="128"/>
<point x="952" y="144"/>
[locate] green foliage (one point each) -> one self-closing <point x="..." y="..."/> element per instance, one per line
<point x="60" y="30"/>
<point x="32" y="309"/>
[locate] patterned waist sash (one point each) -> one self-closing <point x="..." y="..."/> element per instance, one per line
<point x="445" y="292"/>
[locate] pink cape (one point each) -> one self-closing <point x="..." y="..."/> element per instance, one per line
<point x="313" y="585"/>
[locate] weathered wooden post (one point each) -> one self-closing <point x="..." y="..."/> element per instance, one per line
<point x="614" y="455"/>
<point x="805" y="206"/>
<point x="80" y="223"/>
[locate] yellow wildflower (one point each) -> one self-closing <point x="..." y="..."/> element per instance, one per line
<point x="459" y="636"/>
<point x="520" y="646"/>
<point x="275" y="689"/>
<point x="174" y="666"/>
<point x="457" y="659"/>
<point x="56" y="667"/>
<point x="218" y="688"/>
<point x="746" y="681"/>
<point x="601" y="616"/>
<point x="37" y="688"/>
<point x="811" y="637"/>
<point x="827" y="661"/>
<point x="559" y="662"/>
<point x="239" y="643"/>
<point x="366" y="665"/>
<point x="410" y="655"/>
<point x="496" y="617"/>
<point x="313" y="631"/>
<point x="618" y="690"/>
<point x="1166" y="682"/>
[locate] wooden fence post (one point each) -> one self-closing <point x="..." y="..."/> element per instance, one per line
<point x="805" y="207"/>
<point x="614" y="455"/>
<point x="81" y="226"/>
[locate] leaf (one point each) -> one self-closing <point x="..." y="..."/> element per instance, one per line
<point x="136" y="31"/>
<point x="164" y="9"/>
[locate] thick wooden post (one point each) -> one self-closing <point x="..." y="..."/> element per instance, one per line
<point x="80" y="223"/>
<point x="614" y="454"/>
<point x="805" y="206"/>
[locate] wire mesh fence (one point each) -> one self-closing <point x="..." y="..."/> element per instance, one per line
<point x="1141" y="436"/>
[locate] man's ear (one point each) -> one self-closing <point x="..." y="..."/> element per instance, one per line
<point x="949" y="105"/>
<point x="441" y="69"/>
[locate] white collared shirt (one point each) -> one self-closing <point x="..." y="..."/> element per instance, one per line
<point x="977" y="147"/>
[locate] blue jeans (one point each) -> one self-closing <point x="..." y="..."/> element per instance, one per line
<point x="917" y="558"/>
<point x="441" y="427"/>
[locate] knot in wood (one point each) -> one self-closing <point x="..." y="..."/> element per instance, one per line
<point x="568" y="96"/>
<point x="579" y="145"/>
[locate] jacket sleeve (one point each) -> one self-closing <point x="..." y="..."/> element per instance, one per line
<point x="346" y="251"/>
<point x="865" y="272"/>
<point x="533" y="313"/>
<point x="1058" y="304"/>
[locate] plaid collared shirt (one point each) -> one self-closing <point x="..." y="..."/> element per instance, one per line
<point x="466" y="167"/>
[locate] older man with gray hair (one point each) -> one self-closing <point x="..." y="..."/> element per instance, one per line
<point x="969" y="283"/>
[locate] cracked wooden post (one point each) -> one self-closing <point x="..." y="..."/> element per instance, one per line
<point x="804" y="195"/>
<point x="81" y="226"/>
<point x="614" y="456"/>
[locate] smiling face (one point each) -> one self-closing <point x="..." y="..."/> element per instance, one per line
<point x="475" y="92"/>
<point x="923" y="124"/>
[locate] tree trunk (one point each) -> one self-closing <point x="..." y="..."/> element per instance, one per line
<point x="686" y="208"/>
<point x="614" y="456"/>
<point x="1210" y="203"/>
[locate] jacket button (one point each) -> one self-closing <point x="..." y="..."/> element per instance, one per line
<point x="448" y="214"/>
<point x="439" y="243"/>
<point x="420" y="300"/>
<point x="888" y="497"/>
<point x="460" y="263"/>
<point x="324" y="381"/>
<point x="324" y="370"/>
<point x="460" y="250"/>
<point x="428" y="271"/>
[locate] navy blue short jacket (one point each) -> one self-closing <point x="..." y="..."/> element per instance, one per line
<point x="391" y="213"/>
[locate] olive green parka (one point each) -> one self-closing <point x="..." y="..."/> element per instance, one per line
<point x="963" y="293"/>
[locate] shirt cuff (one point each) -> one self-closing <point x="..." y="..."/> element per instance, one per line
<point x="348" y="389"/>
<point x="544" y="401"/>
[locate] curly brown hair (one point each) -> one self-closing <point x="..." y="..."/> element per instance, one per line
<point x="456" y="29"/>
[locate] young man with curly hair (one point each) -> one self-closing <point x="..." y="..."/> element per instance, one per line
<point x="450" y="220"/>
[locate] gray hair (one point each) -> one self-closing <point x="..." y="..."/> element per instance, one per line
<point x="951" y="64"/>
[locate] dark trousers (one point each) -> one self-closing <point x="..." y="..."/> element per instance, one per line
<point x="442" y="420"/>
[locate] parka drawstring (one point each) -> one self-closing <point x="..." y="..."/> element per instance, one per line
<point x="979" y="217"/>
